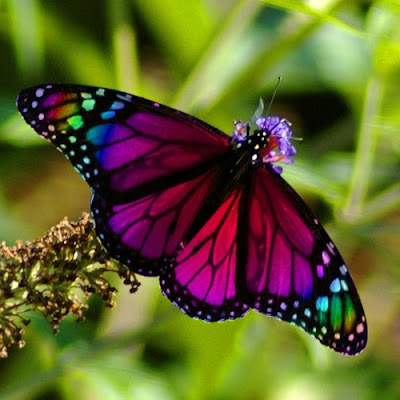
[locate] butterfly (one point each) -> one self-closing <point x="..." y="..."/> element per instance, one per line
<point x="207" y="212"/>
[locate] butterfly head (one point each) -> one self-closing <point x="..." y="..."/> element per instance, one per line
<point x="268" y="144"/>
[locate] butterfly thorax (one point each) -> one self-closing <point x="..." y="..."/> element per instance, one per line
<point x="268" y="144"/>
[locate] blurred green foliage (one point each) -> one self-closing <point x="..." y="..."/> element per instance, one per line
<point x="340" y="64"/>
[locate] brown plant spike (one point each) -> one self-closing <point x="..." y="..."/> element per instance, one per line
<point x="54" y="275"/>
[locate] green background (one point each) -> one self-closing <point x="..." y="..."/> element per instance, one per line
<point x="340" y="65"/>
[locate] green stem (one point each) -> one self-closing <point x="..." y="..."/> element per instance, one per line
<point x="26" y="34"/>
<point x="124" y="47"/>
<point x="365" y="151"/>
<point x="381" y="205"/>
<point x="242" y="14"/>
<point x="294" y="32"/>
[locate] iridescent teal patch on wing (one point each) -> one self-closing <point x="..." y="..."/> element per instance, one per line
<point x="76" y="122"/>
<point x="322" y="304"/>
<point x="89" y="104"/>
<point x="97" y="134"/>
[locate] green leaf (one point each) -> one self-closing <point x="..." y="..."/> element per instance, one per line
<point x="320" y="14"/>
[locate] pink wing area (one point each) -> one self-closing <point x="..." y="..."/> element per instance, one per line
<point x="124" y="146"/>
<point x="293" y="270"/>
<point x="202" y="280"/>
<point x="145" y="234"/>
<point x="278" y="239"/>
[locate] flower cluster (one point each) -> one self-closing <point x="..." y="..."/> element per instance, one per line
<point x="277" y="147"/>
<point x="280" y="129"/>
<point x="54" y="275"/>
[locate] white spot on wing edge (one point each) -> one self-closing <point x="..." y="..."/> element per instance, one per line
<point x="39" y="92"/>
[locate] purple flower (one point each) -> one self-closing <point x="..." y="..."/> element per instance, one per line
<point x="277" y="148"/>
<point x="280" y="129"/>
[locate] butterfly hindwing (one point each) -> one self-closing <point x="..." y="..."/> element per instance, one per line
<point x="202" y="279"/>
<point x="146" y="233"/>
<point x="263" y="249"/>
<point x="293" y="270"/>
<point x="124" y="146"/>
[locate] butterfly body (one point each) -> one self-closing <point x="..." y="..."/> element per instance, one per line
<point x="209" y="213"/>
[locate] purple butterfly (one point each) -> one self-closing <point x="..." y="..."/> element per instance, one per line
<point x="207" y="212"/>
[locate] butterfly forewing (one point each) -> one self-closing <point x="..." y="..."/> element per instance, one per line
<point x="124" y="146"/>
<point x="150" y="167"/>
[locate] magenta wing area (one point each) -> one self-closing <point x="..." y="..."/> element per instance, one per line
<point x="148" y="148"/>
<point x="294" y="270"/>
<point x="145" y="234"/>
<point x="124" y="146"/>
<point x="202" y="281"/>
<point x="263" y="249"/>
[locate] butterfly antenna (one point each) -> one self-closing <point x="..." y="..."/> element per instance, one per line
<point x="273" y="94"/>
